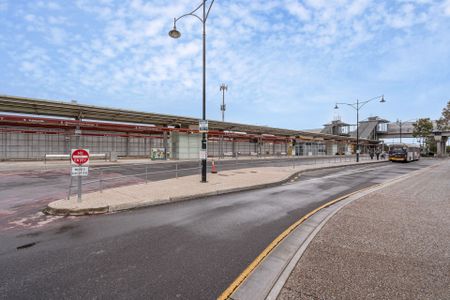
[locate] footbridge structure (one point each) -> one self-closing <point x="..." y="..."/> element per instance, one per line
<point x="376" y="128"/>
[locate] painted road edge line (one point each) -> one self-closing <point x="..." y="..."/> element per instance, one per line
<point x="260" y="258"/>
<point x="257" y="261"/>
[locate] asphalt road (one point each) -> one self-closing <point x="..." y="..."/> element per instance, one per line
<point x="185" y="250"/>
<point x="23" y="193"/>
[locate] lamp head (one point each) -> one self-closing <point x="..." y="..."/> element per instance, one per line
<point x="174" y="33"/>
<point x="382" y="99"/>
<point x="336" y="107"/>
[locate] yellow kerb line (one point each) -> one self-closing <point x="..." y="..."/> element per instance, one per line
<point x="241" y="278"/>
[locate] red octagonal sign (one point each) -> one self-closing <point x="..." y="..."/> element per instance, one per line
<point x="80" y="156"/>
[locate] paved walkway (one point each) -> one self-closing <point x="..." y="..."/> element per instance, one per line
<point x="391" y="244"/>
<point x="182" y="188"/>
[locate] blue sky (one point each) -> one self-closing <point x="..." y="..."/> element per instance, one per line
<point x="286" y="62"/>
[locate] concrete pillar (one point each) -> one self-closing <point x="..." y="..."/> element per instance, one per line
<point x="233" y="147"/>
<point x="66" y="145"/>
<point x="260" y="147"/>
<point x="165" y="144"/>
<point x="441" y="142"/>
<point x="444" y="144"/>
<point x="127" y="145"/>
<point x="5" y="145"/>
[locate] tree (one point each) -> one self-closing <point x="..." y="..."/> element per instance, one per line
<point x="422" y="129"/>
<point x="444" y="122"/>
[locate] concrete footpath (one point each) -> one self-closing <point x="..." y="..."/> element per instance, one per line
<point x="182" y="188"/>
<point x="393" y="243"/>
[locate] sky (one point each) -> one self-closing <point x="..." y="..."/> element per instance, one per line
<point x="286" y="62"/>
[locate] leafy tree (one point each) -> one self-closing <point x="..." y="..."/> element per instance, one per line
<point x="422" y="129"/>
<point x="444" y="122"/>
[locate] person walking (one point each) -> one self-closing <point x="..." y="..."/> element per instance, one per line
<point x="378" y="154"/>
<point x="371" y="153"/>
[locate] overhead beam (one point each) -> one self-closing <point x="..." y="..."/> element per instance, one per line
<point x="23" y="105"/>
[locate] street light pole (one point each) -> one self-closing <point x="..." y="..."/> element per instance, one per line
<point x="357" y="130"/>
<point x="223" y="88"/>
<point x="399" y="123"/>
<point x="357" y="106"/>
<point x="174" y="33"/>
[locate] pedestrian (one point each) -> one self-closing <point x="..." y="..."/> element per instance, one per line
<point x="371" y="153"/>
<point x="378" y="154"/>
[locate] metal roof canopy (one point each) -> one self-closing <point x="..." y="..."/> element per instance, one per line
<point x="33" y="106"/>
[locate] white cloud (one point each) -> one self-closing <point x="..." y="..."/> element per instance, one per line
<point x="57" y="36"/>
<point x="278" y="56"/>
<point x="357" y="7"/>
<point x="446" y="7"/>
<point x="298" y="10"/>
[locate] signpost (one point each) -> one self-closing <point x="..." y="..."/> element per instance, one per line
<point x="79" y="160"/>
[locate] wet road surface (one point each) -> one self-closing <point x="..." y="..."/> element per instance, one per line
<point x="23" y="194"/>
<point x="185" y="250"/>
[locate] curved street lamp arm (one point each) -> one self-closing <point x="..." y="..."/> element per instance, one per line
<point x="362" y="103"/>
<point x="353" y="105"/>
<point x="189" y="14"/>
<point x="359" y="104"/>
<point x="192" y="13"/>
<point x="207" y="14"/>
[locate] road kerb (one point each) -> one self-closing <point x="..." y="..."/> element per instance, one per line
<point x="234" y="286"/>
<point x="133" y="205"/>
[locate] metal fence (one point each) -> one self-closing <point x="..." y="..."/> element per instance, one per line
<point x="101" y="178"/>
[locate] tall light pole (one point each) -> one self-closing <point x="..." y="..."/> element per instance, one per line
<point x="357" y="106"/>
<point x="223" y="88"/>
<point x="174" y="33"/>
<point x="400" y="123"/>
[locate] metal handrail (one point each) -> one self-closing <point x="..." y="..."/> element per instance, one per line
<point x="220" y="164"/>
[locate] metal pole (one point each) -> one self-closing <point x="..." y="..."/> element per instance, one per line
<point x="204" y="146"/>
<point x="400" y="132"/>
<point x="78" y="147"/>
<point x="357" y="130"/>
<point x="223" y="87"/>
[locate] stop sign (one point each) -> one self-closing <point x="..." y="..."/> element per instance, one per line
<point x="80" y="156"/>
